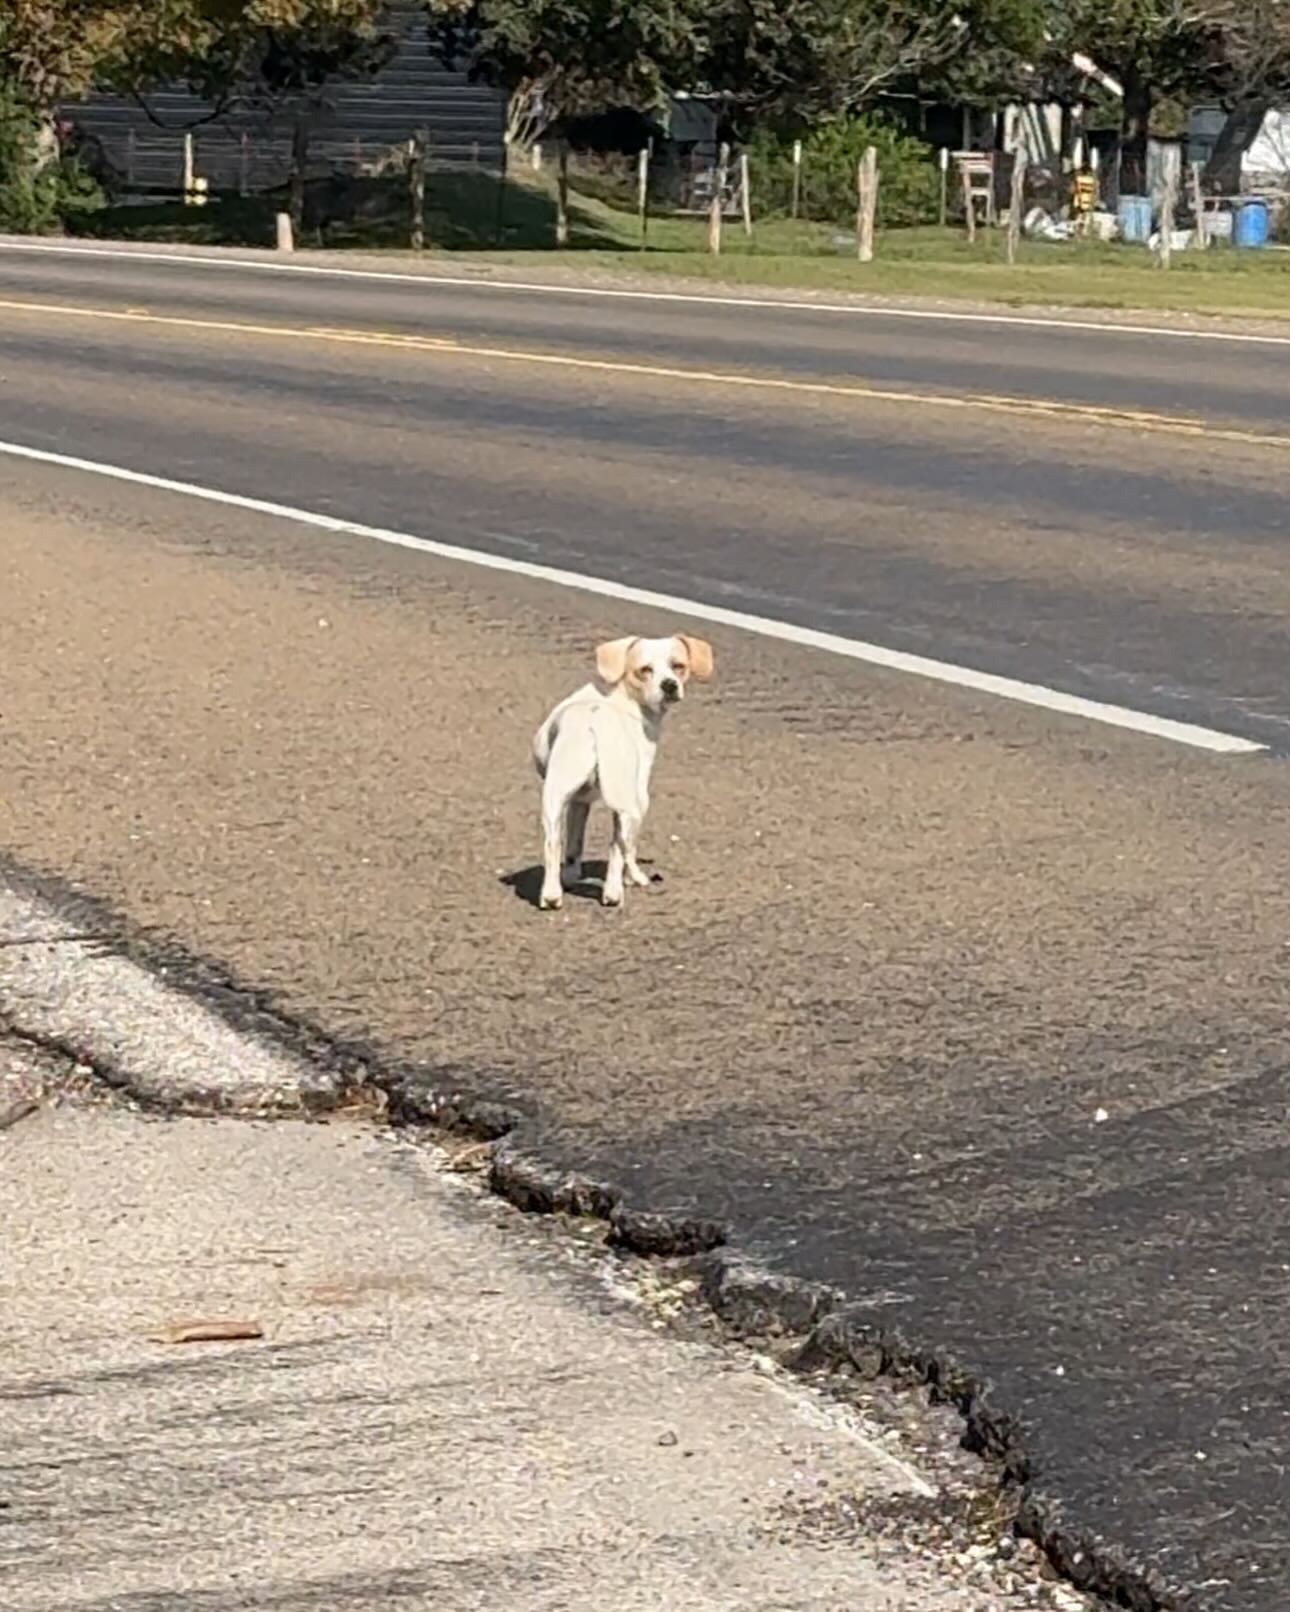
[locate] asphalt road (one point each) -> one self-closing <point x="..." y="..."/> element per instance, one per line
<point x="1243" y="382"/>
<point x="914" y="942"/>
<point x="1056" y="550"/>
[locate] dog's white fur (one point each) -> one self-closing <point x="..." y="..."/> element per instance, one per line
<point x="599" y="744"/>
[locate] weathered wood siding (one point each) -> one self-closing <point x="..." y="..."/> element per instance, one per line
<point x="362" y="119"/>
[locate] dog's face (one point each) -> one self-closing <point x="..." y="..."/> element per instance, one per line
<point x="654" y="671"/>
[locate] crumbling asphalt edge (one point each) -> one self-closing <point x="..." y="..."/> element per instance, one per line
<point x="815" y="1327"/>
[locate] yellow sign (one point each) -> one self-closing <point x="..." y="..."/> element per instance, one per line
<point x="1084" y="192"/>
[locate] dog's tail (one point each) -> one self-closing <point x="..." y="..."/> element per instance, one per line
<point x="543" y="742"/>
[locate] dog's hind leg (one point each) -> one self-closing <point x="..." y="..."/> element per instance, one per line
<point x="554" y="804"/>
<point x="575" y="836"/>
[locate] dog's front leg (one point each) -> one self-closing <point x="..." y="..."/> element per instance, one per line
<point x="622" y="856"/>
<point x="631" y="836"/>
<point x="642" y="881"/>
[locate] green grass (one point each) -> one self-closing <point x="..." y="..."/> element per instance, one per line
<point x="1221" y="282"/>
<point x="464" y="217"/>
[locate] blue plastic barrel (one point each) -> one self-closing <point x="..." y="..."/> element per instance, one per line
<point x="1135" y="218"/>
<point x="1251" y="228"/>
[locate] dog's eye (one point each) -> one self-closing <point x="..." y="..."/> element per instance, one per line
<point x="644" y="671"/>
<point x="678" y="666"/>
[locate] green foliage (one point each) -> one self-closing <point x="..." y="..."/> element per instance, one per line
<point x="791" y="60"/>
<point x="37" y="196"/>
<point x="257" y="51"/>
<point x="1167" y="45"/>
<point x="559" y="59"/>
<point x="1250" y="41"/>
<point x="806" y="59"/>
<point x="907" y="193"/>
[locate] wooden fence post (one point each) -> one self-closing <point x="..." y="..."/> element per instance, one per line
<point x="1016" y="202"/>
<point x="866" y="203"/>
<point x="562" y="195"/>
<point x="969" y="205"/>
<point x="1168" y="206"/>
<point x="797" y="179"/>
<point x="945" y="185"/>
<point x="1198" y="207"/>
<point x="642" y="192"/>
<point x="745" y="192"/>
<point x="718" y="200"/>
<point x="417" y="188"/>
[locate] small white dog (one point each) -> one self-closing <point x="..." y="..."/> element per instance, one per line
<point x="599" y="744"/>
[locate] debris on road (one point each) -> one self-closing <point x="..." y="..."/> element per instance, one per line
<point x="209" y="1332"/>
<point x="17" y="1111"/>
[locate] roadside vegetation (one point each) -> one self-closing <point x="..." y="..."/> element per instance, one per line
<point x="923" y="261"/>
<point x="819" y="75"/>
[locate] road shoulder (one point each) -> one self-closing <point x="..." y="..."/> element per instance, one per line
<point x="444" y="1399"/>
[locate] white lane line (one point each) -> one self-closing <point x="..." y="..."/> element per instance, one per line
<point x="1006" y="688"/>
<point x="701" y="298"/>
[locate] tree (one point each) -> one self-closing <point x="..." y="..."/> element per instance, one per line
<point x="50" y="51"/>
<point x="796" y="62"/>
<point x="262" y="52"/>
<point x="558" y="59"/>
<point x="783" y="60"/>
<point x="274" y="57"/>
<point x="249" y="52"/>
<point x="1006" y="56"/>
<point x="1156" y="50"/>
<point x="801" y="60"/>
<point x="1250" y="48"/>
<point x="53" y="51"/>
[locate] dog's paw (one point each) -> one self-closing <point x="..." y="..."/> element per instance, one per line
<point x="551" y="901"/>
<point x="611" y="898"/>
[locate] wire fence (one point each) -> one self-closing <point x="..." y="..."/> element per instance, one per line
<point x="969" y="191"/>
<point x="478" y="195"/>
<point x="243" y="162"/>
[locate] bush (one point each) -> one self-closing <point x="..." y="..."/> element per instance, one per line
<point x="907" y="194"/>
<point x="35" y="198"/>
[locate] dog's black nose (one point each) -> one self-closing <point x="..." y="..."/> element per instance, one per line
<point x="671" y="688"/>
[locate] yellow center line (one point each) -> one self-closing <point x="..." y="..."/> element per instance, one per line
<point x="987" y="402"/>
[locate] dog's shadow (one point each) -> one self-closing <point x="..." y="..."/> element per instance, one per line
<point x="527" y="883"/>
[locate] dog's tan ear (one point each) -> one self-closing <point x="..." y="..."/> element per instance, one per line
<point x="611" y="659"/>
<point x="700" y="652"/>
